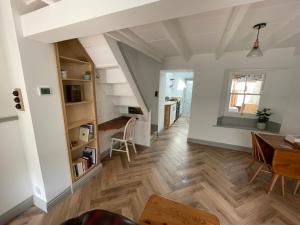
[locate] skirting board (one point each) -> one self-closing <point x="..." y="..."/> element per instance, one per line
<point x="15" y="211"/>
<point x="87" y="177"/>
<point x="219" y="145"/>
<point x="45" y="206"/>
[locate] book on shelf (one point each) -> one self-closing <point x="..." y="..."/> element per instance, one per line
<point x="89" y="158"/>
<point x="84" y="134"/>
<point x="87" y="129"/>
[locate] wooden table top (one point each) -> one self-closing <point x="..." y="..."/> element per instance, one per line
<point x="161" y="211"/>
<point x="116" y="123"/>
<point x="278" y="142"/>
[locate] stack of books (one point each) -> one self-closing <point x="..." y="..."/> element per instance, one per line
<point x="89" y="158"/>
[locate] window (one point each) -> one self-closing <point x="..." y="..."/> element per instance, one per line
<point x="245" y="90"/>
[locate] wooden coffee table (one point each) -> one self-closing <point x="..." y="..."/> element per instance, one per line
<point x="161" y="211"/>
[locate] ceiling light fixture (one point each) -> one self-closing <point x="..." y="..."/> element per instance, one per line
<point x="255" y="51"/>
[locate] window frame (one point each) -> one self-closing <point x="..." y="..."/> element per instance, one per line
<point x="228" y="93"/>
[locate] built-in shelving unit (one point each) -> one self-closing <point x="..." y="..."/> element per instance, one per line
<point x="79" y="109"/>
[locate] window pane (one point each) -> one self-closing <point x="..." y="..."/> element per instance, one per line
<point x="254" y="83"/>
<point x="251" y="103"/>
<point x="238" y="84"/>
<point x="236" y="103"/>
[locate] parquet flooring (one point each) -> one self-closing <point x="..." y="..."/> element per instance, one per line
<point x="205" y="177"/>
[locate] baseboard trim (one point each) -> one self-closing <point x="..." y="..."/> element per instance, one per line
<point x="59" y="197"/>
<point x="87" y="177"/>
<point x="219" y="145"/>
<point x="15" y="211"/>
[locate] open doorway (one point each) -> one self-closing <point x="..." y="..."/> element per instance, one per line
<point x="175" y="97"/>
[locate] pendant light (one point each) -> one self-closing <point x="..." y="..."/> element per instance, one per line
<point x="255" y="51"/>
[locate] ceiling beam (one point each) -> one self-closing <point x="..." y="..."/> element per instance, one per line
<point x="126" y="36"/>
<point x="235" y="19"/>
<point x="279" y="35"/>
<point x="48" y="2"/>
<point x="171" y="29"/>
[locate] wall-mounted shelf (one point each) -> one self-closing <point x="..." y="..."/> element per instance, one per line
<point x="79" y="123"/>
<point x="76" y="79"/>
<point x="82" y="144"/>
<point x="78" y="103"/>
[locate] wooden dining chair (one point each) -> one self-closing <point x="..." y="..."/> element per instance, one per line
<point x="258" y="156"/>
<point x="286" y="163"/>
<point x="124" y="139"/>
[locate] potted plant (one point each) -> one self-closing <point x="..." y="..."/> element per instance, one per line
<point x="263" y="117"/>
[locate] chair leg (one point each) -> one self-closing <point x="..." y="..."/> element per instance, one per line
<point x="133" y="145"/>
<point x="273" y="182"/>
<point x="282" y="185"/>
<point x="297" y="186"/>
<point x="111" y="148"/>
<point x="256" y="173"/>
<point x="127" y="151"/>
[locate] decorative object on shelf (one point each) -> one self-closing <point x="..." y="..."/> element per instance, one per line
<point x="87" y="75"/>
<point x="64" y="74"/>
<point x="84" y="134"/>
<point x="255" y="51"/>
<point x="263" y="117"/>
<point x="74" y="144"/>
<point x="73" y="93"/>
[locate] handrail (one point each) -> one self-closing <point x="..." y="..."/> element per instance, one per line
<point x="8" y="118"/>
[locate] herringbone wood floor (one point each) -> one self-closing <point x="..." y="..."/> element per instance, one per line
<point x="208" y="178"/>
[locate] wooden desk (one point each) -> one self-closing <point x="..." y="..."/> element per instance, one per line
<point x="278" y="142"/>
<point x="161" y="211"/>
<point x="116" y="123"/>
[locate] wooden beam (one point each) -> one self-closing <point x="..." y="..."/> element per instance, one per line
<point x="235" y="19"/>
<point x="171" y="29"/>
<point x="128" y="37"/>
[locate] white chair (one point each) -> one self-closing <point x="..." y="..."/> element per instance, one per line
<point x="124" y="139"/>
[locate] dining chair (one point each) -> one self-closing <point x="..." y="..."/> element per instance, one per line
<point x="258" y="156"/>
<point x="286" y="163"/>
<point x="124" y="139"/>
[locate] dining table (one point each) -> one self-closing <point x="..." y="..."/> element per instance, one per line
<point x="272" y="142"/>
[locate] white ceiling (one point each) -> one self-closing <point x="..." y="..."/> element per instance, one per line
<point x="224" y="30"/>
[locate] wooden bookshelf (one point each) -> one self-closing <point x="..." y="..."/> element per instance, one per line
<point x="72" y="57"/>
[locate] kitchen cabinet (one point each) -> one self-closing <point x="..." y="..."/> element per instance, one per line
<point x="170" y="114"/>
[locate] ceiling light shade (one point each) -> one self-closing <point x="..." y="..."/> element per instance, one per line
<point x="255" y="51"/>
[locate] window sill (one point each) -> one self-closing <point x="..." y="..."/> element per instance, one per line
<point x="246" y="124"/>
<point x="246" y="128"/>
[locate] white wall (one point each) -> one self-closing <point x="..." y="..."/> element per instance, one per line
<point x="146" y="73"/>
<point x="13" y="168"/>
<point x="40" y="69"/>
<point x="209" y="83"/>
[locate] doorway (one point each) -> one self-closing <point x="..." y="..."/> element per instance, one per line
<point x="175" y="97"/>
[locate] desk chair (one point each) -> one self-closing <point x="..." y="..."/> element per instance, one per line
<point x="258" y="156"/>
<point x="124" y="139"/>
<point x="286" y="163"/>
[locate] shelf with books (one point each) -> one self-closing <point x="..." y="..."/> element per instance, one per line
<point x="83" y="165"/>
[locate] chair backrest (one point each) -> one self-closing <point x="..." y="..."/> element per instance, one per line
<point x="129" y="129"/>
<point x="257" y="151"/>
<point x="287" y="163"/>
